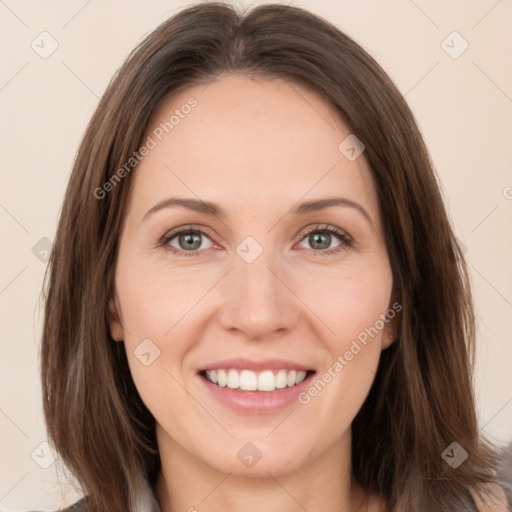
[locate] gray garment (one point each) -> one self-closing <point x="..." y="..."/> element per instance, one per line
<point x="504" y="469"/>
<point x="147" y="501"/>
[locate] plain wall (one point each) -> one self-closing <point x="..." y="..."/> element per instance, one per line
<point x="463" y="106"/>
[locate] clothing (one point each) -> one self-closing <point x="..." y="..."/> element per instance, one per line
<point x="147" y="502"/>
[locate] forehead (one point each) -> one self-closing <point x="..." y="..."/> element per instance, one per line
<point x="239" y="139"/>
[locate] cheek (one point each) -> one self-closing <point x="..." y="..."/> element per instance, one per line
<point x="338" y="391"/>
<point x="349" y="301"/>
<point x="153" y="299"/>
<point x="159" y="319"/>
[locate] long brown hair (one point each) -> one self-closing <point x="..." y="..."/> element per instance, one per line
<point x="422" y="398"/>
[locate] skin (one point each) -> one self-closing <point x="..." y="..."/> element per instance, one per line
<point x="255" y="148"/>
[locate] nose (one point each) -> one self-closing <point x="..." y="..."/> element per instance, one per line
<point x="260" y="302"/>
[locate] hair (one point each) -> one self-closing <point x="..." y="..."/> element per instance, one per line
<point x="422" y="398"/>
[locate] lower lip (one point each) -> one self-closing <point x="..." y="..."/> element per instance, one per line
<point x="256" y="402"/>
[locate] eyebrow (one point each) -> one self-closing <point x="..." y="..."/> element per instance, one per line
<point x="322" y="204"/>
<point x="212" y="209"/>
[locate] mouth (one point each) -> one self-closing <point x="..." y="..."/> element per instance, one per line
<point x="267" y="380"/>
<point x="250" y="387"/>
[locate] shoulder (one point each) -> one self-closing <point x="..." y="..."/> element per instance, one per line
<point x="498" y="497"/>
<point x="79" y="506"/>
<point x="493" y="499"/>
<point x="504" y="473"/>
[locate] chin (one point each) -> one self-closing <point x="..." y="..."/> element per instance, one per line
<point x="249" y="460"/>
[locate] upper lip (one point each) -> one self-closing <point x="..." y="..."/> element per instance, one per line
<point x="247" y="364"/>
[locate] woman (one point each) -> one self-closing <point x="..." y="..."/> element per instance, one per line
<point x="255" y="298"/>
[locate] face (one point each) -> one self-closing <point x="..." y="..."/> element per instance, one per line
<point x="251" y="278"/>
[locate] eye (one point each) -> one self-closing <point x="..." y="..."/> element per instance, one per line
<point x="320" y="240"/>
<point x="187" y="241"/>
<point x="191" y="241"/>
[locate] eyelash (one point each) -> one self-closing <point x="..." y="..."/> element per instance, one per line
<point x="345" y="239"/>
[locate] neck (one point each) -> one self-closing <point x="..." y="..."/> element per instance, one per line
<point x="186" y="483"/>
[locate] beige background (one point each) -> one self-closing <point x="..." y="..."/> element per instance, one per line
<point x="463" y="105"/>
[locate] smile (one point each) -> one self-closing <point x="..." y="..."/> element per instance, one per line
<point x="248" y="380"/>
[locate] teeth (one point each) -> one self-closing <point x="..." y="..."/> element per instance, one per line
<point x="233" y="379"/>
<point x="266" y="381"/>
<point x="222" y="378"/>
<point x="247" y="380"/>
<point x="281" y="379"/>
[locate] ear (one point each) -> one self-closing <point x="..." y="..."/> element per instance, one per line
<point x="390" y="330"/>
<point x="388" y="336"/>
<point x="116" y="328"/>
